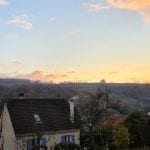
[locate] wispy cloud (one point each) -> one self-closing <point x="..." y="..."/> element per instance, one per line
<point x="3" y="2"/>
<point x="8" y="75"/>
<point x="52" y="18"/>
<point x="95" y="7"/>
<point x="71" y="72"/>
<point x="17" y="63"/>
<point x="142" y="7"/>
<point x="21" y="21"/>
<point x="73" y="32"/>
<point x="112" y="72"/>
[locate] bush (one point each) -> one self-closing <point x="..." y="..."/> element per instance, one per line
<point x="67" y="146"/>
<point x="121" y="138"/>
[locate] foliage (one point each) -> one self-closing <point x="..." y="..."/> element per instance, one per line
<point x="139" y="129"/>
<point x="77" y="119"/>
<point x="145" y="132"/>
<point x="66" y="146"/>
<point x="107" y="134"/>
<point x="133" y="123"/>
<point x="121" y="138"/>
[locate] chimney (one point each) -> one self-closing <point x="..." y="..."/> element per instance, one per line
<point x="21" y="95"/>
<point x="71" y="102"/>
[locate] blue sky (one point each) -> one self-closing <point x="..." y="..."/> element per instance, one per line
<point x="74" y="40"/>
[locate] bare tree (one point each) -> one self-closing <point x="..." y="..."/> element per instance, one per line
<point x="94" y="107"/>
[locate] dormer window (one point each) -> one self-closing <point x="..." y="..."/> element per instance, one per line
<point x="37" y="118"/>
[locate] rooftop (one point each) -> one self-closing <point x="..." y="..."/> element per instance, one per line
<point x="54" y="115"/>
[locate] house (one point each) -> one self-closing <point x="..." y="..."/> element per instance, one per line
<point x="24" y="120"/>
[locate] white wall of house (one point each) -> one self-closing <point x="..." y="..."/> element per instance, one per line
<point x="8" y="139"/>
<point x="52" y="138"/>
<point x="55" y="138"/>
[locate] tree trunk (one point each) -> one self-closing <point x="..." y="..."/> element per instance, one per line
<point x="92" y="139"/>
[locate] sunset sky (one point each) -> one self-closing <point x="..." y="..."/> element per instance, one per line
<point x="75" y="40"/>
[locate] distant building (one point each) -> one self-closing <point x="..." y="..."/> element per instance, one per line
<point x="23" y="119"/>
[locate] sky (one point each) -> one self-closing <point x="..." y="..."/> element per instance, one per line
<point x="75" y="40"/>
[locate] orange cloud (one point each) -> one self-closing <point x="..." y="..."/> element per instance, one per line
<point x="130" y="4"/>
<point x="146" y="15"/>
<point x="42" y="76"/>
<point x="56" y="76"/>
<point x="36" y="75"/>
<point x="140" y="6"/>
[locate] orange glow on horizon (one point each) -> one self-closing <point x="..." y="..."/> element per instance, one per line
<point x="125" y="73"/>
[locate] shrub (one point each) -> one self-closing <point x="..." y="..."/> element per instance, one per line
<point x="67" y="146"/>
<point x="121" y="138"/>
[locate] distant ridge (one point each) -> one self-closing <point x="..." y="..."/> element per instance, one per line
<point x="13" y="82"/>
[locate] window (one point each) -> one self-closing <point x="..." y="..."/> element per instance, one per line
<point x="72" y="138"/>
<point x="37" y="118"/>
<point x="30" y="143"/>
<point x="68" y="139"/>
<point x="43" y="141"/>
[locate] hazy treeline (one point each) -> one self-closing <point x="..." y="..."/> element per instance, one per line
<point x="11" y="88"/>
<point x="131" y="94"/>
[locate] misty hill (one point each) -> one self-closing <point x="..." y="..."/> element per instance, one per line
<point x="14" y="82"/>
<point x="134" y="95"/>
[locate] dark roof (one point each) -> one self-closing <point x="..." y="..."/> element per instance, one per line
<point x="54" y="113"/>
